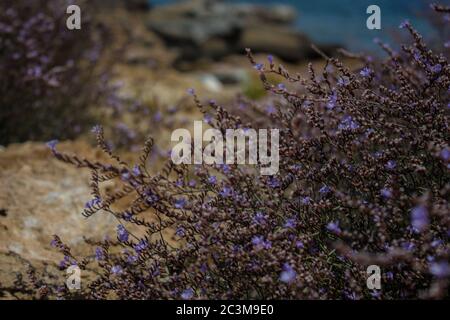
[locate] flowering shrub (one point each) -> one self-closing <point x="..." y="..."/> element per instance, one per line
<point x="363" y="180"/>
<point x="47" y="72"/>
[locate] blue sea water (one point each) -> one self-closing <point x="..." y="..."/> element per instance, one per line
<point x="344" y="21"/>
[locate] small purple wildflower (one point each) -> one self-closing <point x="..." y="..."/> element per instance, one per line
<point x="391" y="165"/>
<point x="445" y="154"/>
<point x="386" y="193"/>
<point x="324" y="190"/>
<point x="270" y="59"/>
<point x="334" y="227"/>
<point x="419" y="218"/>
<point x="97" y="129"/>
<point x="404" y="24"/>
<point x="180" y="203"/>
<point x="440" y="269"/>
<point x="259" y="218"/>
<point x="332" y="101"/>
<point x="191" y="91"/>
<point x="141" y="246"/>
<point x="226" y="192"/>
<point x="259" y="242"/>
<point x="187" y="294"/>
<point x="259" y="66"/>
<point x="437" y="68"/>
<point x="93" y="202"/>
<point x="348" y="123"/>
<point x="290" y="223"/>
<point x="212" y="180"/>
<point x="366" y="72"/>
<point x="273" y="182"/>
<point x="99" y="254"/>
<point x="180" y="232"/>
<point x="52" y="144"/>
<point x="136" y="170"/>
<point x="299" y="244"/>
<point x="306" y="200"/>
<point x="116" y="269"/>
<point x="281" y="86"/>
<point x="288" y="274"/>
<point x="122" y="233"/>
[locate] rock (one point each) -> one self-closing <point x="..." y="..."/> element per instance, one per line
<point x="215" y="29"/>
<point x="137" y="4"/>
<point x="280" y="41"/>
<point x="39" y="197"/>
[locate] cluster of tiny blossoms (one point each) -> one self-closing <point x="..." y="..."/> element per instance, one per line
<point x="363" y="180"/>
<point x="46" y="71"/>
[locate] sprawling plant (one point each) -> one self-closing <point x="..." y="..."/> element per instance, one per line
<point x="363" y="180"/>
<point x="48" y="77"/>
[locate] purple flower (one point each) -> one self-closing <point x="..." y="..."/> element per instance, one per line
<point x="343" y="81"/>
<point x="299" y="244"/>
<point x="348" y="123"/>
<point x="391" y="165"/>
<point x="259" y="218"/>
<point x="324" y="190"/>
<point x="180" y="232"/>
<point x="290" y="223"/>
<point x="122" y="233"/>
<point x="366" y="72"/>
<point x="270" y="109"/>
<point x="436" y="243"/>
<point x="270" y="59"/>
<point x="93" y="202"/>
<point x="445" y="154"/>
<point x="225" y="168"/>
<point x="437" y="68"/>
<point x="259" y="242"/>
<point x="408" y="246"/>
<point x="204" y="268"/>
<point x="132" y="258"/>
<point x="226" y="192"/>
<point x="180" y="203"/>
<point x="116" y="269"/>
<point x="99" y="254"/>
<point x="52" y="144"/>
<point x="306" y="200"/>
<point x="136" y="170"/>
<point x="419" y="218"/>
<point x="273" y="182"/>
<point x="96" y="129"/>
<point x="191" y="91"/>
<point x="440" y="269"/>
<point x="141" y="245"/>
<point x="281" y="86"/>
<point x="212" y="180"/>
<point x="288" y="274"/>
<point x="332" y="101"/>
<point x="259" y="66"/>
<point x="404" y="24"/>
<point x="150" y="197"/>
<point x="386" y="193"/>
<point x="334" y="227"/>
<point x="125" y="176"/>
<point x="187" y="294"/>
